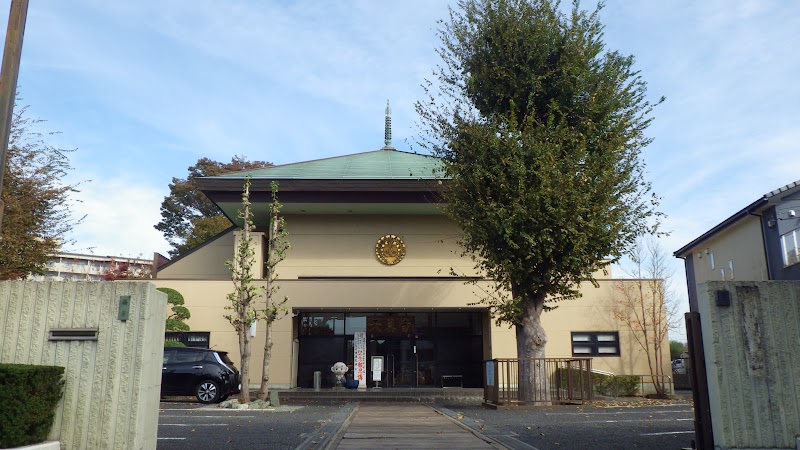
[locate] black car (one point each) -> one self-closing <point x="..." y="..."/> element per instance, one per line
<point x="207" y="374"/>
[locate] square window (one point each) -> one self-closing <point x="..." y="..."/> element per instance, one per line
<point x="790" y="247"/>
<point x="595" y="343"/>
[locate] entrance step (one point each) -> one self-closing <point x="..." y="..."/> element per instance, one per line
<point x="427" y="395"/>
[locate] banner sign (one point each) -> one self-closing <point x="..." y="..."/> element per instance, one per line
<point x="360" y="358"/>
<point x="390" y="325"/>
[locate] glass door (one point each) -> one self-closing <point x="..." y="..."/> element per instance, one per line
<point x="426" y="362"/>
<point x="400" y="360"/>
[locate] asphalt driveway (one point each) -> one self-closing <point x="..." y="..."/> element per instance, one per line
<point x="185" y="425"/>
<point x="193" y="426"/>
<point x="666" y="426"/>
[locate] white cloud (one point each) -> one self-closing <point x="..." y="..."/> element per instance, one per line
<point x="119" y="219"/>
<point x="143" y="89"/>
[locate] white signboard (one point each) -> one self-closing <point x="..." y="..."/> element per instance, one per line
<point x="377" y="367"/>
<point x="360" y="358"/>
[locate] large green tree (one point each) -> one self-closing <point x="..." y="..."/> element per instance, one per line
<point x="188" y="218"/>
<point x="37" y="218"/>
<point x="540" y="129"/>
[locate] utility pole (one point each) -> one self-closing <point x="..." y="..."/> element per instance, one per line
<point x="8" y="82"/>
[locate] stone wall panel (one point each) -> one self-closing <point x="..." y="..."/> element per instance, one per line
<point x="113" y="383"/>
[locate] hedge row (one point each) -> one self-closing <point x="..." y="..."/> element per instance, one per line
<point x="610" y="385"/>
<point x="28" y="402"/>
<point x="616" y="385"/>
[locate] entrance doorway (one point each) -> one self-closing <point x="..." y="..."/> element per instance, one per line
<point x="419" y="348"/>
<point x="408" y="361"/>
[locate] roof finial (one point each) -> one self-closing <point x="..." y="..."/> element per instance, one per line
<point x="387" y="133"/>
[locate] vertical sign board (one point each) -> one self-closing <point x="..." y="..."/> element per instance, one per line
<point x="377" y="367"/>
<point x="489" y="373"/>
<point x="124" y="309"/>
<point x="360" y="358"/>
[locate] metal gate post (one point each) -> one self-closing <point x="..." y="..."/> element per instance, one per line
<point x="704" y="436"/>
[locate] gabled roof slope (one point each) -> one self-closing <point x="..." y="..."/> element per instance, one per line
<point x="768" y="199"/>
<point x="384" y="164"/>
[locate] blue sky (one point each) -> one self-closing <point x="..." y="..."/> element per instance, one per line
<point x="144" y="89"/>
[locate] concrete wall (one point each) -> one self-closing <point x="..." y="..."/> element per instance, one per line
<point x="753" y="363"/>
<point x="111" y="397"/>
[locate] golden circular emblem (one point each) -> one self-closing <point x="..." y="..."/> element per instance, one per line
<point x="390" y="249"/>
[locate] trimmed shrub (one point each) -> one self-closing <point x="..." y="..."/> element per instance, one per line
<point x="628" y="385"/>
<point x="616" y="385"/>
<point x="28" y="402"/>
<point x="174" y="344"/>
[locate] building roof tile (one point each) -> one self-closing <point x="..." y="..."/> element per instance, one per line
<point x="383" y="164"/>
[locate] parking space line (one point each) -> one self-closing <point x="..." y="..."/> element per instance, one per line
<point x="200" y="417"/>
<point x="632" y="420"/>
<point x="193" y="425"/>
<point x="182" y="409"/>
<point x="171" y="439"/>
<point x="583" y="413"/>
<point x="666" y="432"/>
<point x="644" y="406"/>
<point x="222" y="410"/>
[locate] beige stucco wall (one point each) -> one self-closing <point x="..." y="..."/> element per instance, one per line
<point x="334" y="245"/>
<point x="742" y="245"/>
<point x="342" y="246"/>
<point x="593" y="312"/>
<point x="206" y="262"/>
<point x="329" y="251"/>
<point x="111" y="396"/>
<point x="206" y="299"/>
<point x="752" y="361"/>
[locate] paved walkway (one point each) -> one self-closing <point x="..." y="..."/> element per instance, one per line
<point x="407" y="426"/>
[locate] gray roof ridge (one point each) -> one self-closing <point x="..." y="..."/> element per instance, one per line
<point x="782" y="189"/>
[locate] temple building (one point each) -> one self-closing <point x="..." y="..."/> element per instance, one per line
<point x="373" y="255"/>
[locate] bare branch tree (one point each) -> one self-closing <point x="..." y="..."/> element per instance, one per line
<point x="645" y="306"/>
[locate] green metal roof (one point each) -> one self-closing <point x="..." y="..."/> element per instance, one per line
<point x="380" y="164"/>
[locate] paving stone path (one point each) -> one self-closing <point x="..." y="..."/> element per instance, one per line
<point x="407" y="426"/>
